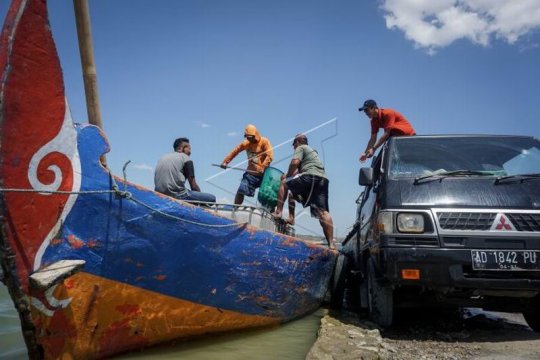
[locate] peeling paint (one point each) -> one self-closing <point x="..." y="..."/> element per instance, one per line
<point x="75" y="242"/>
<point x="68" y="283"/>
<point x="129" y="309"/>
<point x="56" y="241"/>
<point x="92" y="244"/>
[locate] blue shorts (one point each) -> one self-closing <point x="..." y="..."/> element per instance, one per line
<point x="249" y="183"/>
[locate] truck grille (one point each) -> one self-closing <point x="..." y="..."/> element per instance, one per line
<point x="525" y="222"/>
<point x="483" y="221"/>
<point x="466" y="220"/>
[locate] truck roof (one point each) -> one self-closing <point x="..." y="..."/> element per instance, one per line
<point x="465" y="136"/>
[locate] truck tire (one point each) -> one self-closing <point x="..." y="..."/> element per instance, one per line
<point x="338" y="282"/>
<point x="380" y="298"/>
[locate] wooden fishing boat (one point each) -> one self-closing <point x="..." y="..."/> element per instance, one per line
<point x="96" y="265"/>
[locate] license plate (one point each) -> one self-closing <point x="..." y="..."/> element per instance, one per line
<point x="518" y="260"/>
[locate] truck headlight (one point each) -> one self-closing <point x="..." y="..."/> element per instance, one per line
<point x="410" y="223"/>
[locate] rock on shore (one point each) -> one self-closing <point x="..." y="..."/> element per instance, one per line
<point x="345" y="337"/>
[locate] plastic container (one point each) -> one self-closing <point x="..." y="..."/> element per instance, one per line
<point x="268" y="191"/>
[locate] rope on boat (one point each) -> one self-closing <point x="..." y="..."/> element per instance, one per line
<point x="124" y="195"/>
<point x="127" y="195"/>
<point x="184" y="220"/>
<point x="59" y="191"/>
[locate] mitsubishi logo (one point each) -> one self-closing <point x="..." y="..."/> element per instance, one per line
<point x="502" y="223"/>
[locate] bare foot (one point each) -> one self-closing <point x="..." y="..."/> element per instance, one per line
<point x="290" y="221"/>
<point x="276" y="214"/>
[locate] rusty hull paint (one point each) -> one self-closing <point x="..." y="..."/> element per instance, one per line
<point x="107" y="317"/>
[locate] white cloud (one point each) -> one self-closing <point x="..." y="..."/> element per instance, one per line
<point x="433" y="24"/>
<point x="202" y="124"/>
<point x="232" y="133"/>
<point x="143" y="167"/>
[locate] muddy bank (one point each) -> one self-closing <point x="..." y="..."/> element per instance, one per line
<point x="450" y="335"/>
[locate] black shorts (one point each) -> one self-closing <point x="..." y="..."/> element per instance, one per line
<point x="310" y="190"/>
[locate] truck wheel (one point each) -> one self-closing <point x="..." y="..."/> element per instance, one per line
<point x="338" y="282"/>
<point x="533" y="319"/>
<point x="380" y="298"/>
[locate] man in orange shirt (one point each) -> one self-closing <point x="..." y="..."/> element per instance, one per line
<point x="260" y="154"/>
<point x="393" y="123"/>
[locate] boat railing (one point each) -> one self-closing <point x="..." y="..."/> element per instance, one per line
<point x="251" y="214"/>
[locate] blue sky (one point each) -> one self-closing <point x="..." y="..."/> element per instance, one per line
<point x="205" y="69"/>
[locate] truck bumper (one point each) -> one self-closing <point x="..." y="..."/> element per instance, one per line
<point x="449" y="268"/>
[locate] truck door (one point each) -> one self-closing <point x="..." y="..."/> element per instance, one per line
<point x="367" y="212"/>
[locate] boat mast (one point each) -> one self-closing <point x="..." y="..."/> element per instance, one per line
<point x="84" y="33"/>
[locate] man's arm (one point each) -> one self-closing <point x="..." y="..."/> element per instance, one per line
<point x="233" y="154"/>
<point x="382" y="139"/>
<point x="189" y="173"/>
<point x="371" y="142"/>
<point x="193" y="184"/>
<point x="293" y="166"/>
<point x="269" y="152"/>
<point x="388" y="120"/>
<point x="369" y="152"/>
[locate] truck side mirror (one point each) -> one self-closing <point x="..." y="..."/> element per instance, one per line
<point x="365" y="177"/>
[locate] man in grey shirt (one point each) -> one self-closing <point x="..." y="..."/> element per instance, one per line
<point x="307" y="182"/>
<point x="172" y="171"/>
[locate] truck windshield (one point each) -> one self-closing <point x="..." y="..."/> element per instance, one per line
<point x="491" y="156"/>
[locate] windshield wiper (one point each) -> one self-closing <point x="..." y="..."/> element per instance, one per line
<point x="521" y="177"/>
<point x="444" y="174"/>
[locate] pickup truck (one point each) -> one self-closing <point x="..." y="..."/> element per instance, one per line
<point x="447" y="221"/>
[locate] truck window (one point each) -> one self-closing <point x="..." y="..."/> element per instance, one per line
<point x="492" y="156"/>
<point x="524" y="163"/>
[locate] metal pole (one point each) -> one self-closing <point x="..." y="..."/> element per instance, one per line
<point x="84" y="33"/>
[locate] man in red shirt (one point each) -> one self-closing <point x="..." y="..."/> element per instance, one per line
<point x="393" y="123"/>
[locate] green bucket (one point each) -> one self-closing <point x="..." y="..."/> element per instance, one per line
<point x="268" y="192"/>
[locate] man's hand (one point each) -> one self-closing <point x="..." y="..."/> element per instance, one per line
<point x="366" y="155"/>
<point x="223" y="166"/>
<point x="369" y="153"/>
